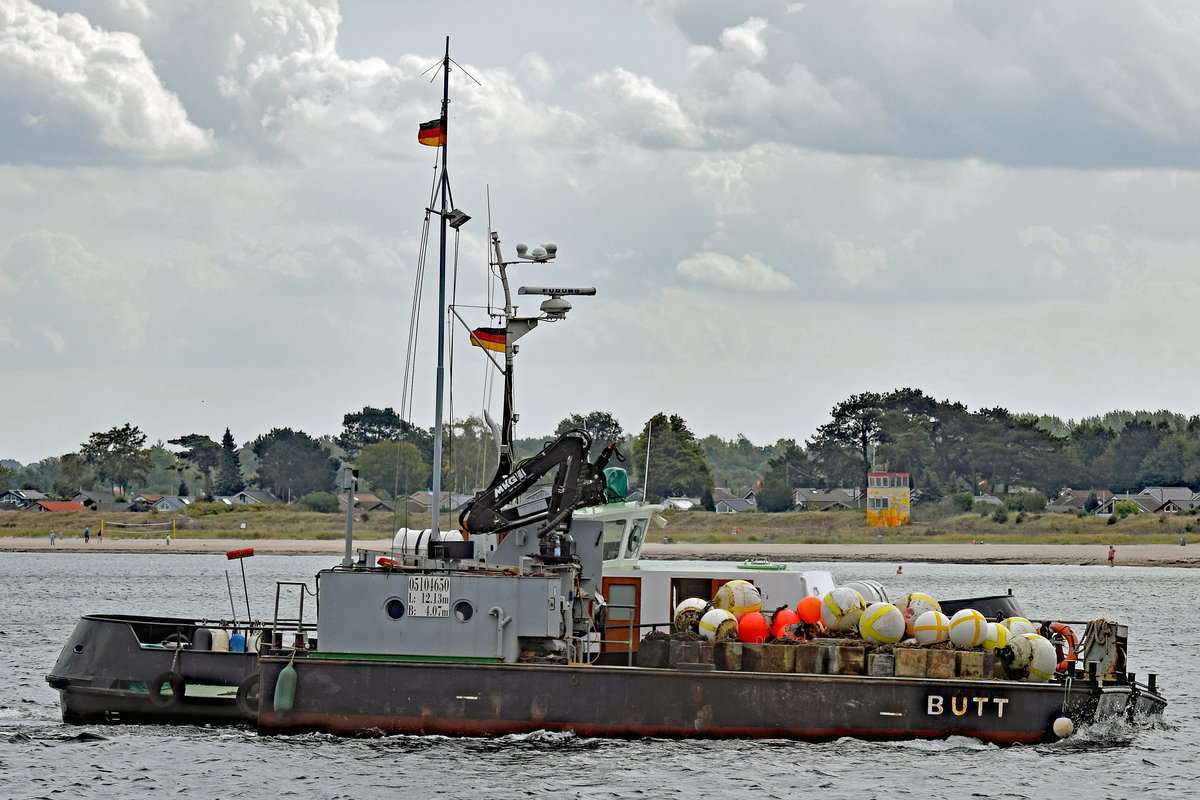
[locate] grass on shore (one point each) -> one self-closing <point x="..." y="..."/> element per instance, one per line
<point x="805" y="527"/>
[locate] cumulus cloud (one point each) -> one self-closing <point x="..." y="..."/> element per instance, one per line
<point x="1100" y="84"/>
<point x="746" y="40"/>
<point x="644" y="111"/>
<point x="538" y="71"/>
<point x="746" y="273"/>
<point x="66" y="72"/>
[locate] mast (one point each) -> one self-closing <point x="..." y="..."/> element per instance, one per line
<point x="440" y="381"/>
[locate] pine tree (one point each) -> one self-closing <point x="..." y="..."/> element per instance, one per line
<point x="229" y="470"/>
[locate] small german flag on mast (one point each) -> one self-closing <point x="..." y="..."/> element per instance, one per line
<point x="432" y="133"/>
<point x="489" y="338"/>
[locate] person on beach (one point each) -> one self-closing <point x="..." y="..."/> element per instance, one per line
<point x="100" y="536"/>
<point x="52" y="538"/>
<point x="1112" y="553"/>
<point x="87" y="535"/>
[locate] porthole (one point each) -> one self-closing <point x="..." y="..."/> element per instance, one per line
<point x="463" y="610"/>
<point x="79" y="648"/>
<point x="394" y="608"/>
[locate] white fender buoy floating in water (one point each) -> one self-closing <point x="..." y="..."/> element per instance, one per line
<point x="1063" y="727"/>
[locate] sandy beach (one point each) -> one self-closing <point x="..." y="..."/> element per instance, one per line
<point x="1157" y="555"/>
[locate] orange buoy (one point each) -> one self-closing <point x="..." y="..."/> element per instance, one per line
<point x="810" y="609"/>
<point x="783" y="618"/>
<point x="232" y="554"/>
<point x="752" y="628"/>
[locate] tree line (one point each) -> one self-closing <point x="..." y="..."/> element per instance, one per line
<point x="947" y="448"/>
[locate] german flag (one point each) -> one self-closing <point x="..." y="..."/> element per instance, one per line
<point x="432" y="133"/>
<point x="489" y="338"/>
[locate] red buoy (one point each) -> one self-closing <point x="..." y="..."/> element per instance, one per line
<point x="753" y="628"/>
<point x="810" y="609"/>
<point x="783" y="618"/>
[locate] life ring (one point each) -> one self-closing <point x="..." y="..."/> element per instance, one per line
<point x="248" y="693"/>
<point x="172" y="679"/>
<point x="1065" y="642"/>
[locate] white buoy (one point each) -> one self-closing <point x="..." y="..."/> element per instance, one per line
<point x="932" y="627"/>
<point x="719" y="625"/>
<point x="871" y="591"/>
<point x="1019" y="625"/>
<point x="968" y="628"/>
<point x="997" y="636"/>
<point x="1042" y="661"/>
<point x="688" y="613"/>
<point x="915" y="605"/>
<point x="738" y="598"/>
<point x="841" y="609"/>
<point x="1063" y="727"/>
<point x="882" y="623"/>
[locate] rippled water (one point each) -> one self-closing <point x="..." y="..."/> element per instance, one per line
<point x="43" y="594"/>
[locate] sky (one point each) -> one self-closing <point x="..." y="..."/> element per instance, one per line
<point x="211" y="212"/>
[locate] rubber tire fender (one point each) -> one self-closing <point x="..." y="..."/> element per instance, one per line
<point x="248" y="694"/>
<point x="175" y="681"/>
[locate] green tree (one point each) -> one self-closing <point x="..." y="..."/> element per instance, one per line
<point x="600" y="425"/>
<point x="374" y="425"/>
<point x="394" y="469"/>
<point x="738" y="463"/>
<point x="292" y="464"/>
<point x="74" y="475"/>
<point x="166" y="471"/>
<point x="202" y="453"/>
<point x="677" y="465"/>
<point x="118" y="456"/>
<point x="229" y="478"/>
<point x="321" y="502"/>
<point x="1122" y="461"/>
<point x="469" y="457"/>
<point x="7" y="476"/>
<point x="41" y="474"/>
<point x="843" y="445"/>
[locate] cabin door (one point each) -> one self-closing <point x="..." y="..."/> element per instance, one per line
<point x="624" y="596"/>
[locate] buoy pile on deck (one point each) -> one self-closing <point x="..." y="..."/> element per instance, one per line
<point x="861" y="610"/>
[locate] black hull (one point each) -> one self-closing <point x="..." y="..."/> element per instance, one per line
<point x="108" y="665"/>
<point x="352" y="696"/>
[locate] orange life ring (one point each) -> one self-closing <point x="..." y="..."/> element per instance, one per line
<point x="1065" y="643"/>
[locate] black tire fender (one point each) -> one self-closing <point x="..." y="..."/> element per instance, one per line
<point x="248" y="693"/>
<point x="172" y="679"/>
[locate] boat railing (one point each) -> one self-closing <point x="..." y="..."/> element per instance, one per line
<point x="630" y="629"/>
<point x="283" y="628"/>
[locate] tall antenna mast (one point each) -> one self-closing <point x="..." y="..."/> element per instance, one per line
<point x="441" y="315"/>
